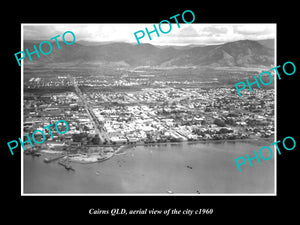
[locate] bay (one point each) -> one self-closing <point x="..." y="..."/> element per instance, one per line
<point x="185" y="168"/>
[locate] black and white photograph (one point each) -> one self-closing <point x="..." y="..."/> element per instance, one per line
<point x="149" y="112"/>
<point x="152" y="109"/>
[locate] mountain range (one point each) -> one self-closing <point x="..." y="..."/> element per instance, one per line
<point x="238" y="53"/>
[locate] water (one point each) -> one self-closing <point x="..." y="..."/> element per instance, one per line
<point x="205" y="168"/>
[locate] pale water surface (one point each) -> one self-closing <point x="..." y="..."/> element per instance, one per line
<point x="207" y="168"/>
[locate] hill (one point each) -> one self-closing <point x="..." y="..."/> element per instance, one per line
<point x="239" y="53"/>
<point x="269" y="43"/>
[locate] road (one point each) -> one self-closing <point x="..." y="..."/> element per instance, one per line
<point x="88" y="109"/>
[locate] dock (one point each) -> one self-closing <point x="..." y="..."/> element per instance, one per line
<point x="48" y="160"/>
<point x="66" y="165"/>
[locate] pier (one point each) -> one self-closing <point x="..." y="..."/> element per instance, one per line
<point x="46" y="160"/>
<point x="66" y="165"/>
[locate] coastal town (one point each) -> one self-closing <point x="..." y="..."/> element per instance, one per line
<point x="115" y="118"/>
<point x="102" y="121"/>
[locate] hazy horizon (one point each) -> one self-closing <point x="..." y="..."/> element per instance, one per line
<point x="95" y="43"/>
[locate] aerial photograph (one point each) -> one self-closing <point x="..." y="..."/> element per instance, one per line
<point x="162" y="117"/>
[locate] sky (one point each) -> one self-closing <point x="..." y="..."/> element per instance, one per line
<point x="187" y="34"/>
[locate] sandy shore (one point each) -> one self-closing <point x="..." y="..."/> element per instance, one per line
<point x="96" y="157"/>
<point x="52" y="151"/>
<point x="245" y="140"/>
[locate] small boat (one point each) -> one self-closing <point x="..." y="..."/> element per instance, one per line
<point x="170" y="192"/>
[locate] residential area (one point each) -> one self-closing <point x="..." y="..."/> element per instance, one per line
<point x="151" y="115"/>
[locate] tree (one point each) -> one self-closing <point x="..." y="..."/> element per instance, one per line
<point x="230" y="121"/>
<point x="223" y="131"/>
<point x="105" y="141"/>
<point x="96" y="140"/>
<point x="219" y="122"/>
<point x="85" y="128"/>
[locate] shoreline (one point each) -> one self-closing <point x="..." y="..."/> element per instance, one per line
<point x="122" y="146"/>
<point x="120" y="149"/>
<point x="191" y="142"/>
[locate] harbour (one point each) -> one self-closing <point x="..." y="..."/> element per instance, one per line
<point x="199" y="168"/>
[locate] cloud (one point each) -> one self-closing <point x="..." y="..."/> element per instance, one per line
<point x="203" y="34"/>
<point x="40" y="32"/>
<point x="250" y="29"/>
<point x="86" y="32"/>
<point x="188" y="31"/>
<point x="214" y="30"/>
<point x="255" y="31"/>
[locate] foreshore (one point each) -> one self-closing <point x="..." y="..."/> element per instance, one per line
<point x="192" y="142"/>
<point x="86" y="158"/>
<point x="94" y="158"/>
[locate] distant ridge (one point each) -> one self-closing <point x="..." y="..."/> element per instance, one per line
<point x="269" y="43"/>
<point x="238" y="53"/>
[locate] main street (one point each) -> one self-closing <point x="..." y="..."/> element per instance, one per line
<point x="88" y="109"/>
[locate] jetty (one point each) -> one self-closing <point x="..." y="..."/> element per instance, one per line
<point x="66" y="165"/>
<point x="48" y="160"/>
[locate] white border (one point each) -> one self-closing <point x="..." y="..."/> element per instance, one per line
<point x="22" y="113"/>
<point x="170" y="195"/>
<point x="275" y="120"/>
